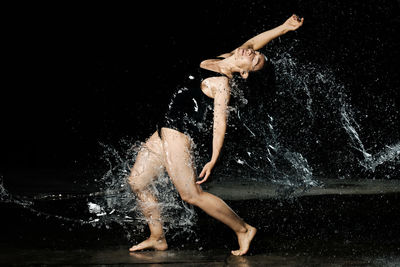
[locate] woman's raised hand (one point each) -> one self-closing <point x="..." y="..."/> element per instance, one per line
<point x="293" y="23"/>
<point x="206" y="172"/>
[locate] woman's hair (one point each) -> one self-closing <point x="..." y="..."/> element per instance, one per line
<point x="259" y="85"/>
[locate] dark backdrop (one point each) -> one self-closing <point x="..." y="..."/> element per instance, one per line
<point x="76" y="76"/>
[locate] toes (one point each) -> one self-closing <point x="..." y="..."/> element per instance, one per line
<point x="134" y="248"/>
<point x="149" y="244"/>
<point x="137" y="247"/>
<point x="236" y="252"/>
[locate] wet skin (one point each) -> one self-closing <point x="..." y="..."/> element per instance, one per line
<point x="172" y="153"/>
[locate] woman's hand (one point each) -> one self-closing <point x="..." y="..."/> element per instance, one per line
<point x="293" y="23"/>
<point x="206" y="172"/>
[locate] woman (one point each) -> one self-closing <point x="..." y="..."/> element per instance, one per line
<point x="171" y="147"/>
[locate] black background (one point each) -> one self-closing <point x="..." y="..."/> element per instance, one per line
<point x="76" y="76"/>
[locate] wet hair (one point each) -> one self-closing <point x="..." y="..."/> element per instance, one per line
<point x="259" y="85"/>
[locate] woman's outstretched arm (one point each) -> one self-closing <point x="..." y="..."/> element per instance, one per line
<point x="262" y="39"/>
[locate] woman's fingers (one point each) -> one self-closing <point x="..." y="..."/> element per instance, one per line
<point x="203" y="172"/>
<point x="205" y="169"/>
<point x="201" y="181"/>
<point x="204" y="179"/>
<point x="295" y="22"/>
<point x="296" y="17"/>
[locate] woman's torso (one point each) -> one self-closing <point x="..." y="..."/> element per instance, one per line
<point x="190" y="110"/>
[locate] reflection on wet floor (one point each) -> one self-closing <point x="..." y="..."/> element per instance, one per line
<point x="240" y="190"/>
<point x="120" y="257"/>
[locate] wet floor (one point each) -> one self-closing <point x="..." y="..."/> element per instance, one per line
<point x="340" y="223"/>
<point x="120" y="257"/>
<point x="248" y="189"/>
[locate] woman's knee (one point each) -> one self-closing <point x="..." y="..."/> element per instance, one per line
<point x="192" y="198"/>
<point x="137" y="182"/>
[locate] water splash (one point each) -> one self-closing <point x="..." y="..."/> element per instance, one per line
<point x="306" y="113"/>
<point x="294" y="80"/>
<point x="121" y="203"/>
<point x="4" y="195"/>
<point x="388" y="154"/>
<point x="256" y="146"/>
<point x="351" y="126"/>
<point x="28" y="203"/>
<point x="114" y="202"/>
<point x="369" y="161"/>
<point x="317" y="105"/>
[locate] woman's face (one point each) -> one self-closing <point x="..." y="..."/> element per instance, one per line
<point x="248" y="59"/>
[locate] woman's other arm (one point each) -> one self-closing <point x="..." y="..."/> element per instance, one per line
<point x="221" y="89"/>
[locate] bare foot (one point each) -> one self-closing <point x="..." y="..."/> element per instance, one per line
<point x="244" y="240"/>
<point x="151" y="243"/>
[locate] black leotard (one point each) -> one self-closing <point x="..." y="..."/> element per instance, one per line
<point x="190" y="111"/>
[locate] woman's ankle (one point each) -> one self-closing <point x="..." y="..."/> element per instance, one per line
<point x="242" y="229"/>
<point x="157" y="237"/>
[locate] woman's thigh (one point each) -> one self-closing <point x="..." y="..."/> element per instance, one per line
<point x="179" y="162"/>
<point x="149" y="163"/>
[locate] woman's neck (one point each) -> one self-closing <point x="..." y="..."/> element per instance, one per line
<point x="223" y="66"/>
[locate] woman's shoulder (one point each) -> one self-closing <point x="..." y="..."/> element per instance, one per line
<point x="199" y="74"/>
